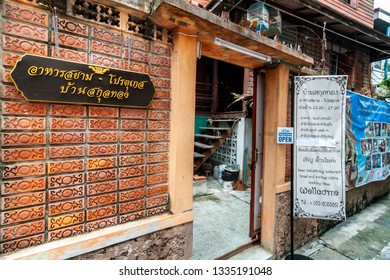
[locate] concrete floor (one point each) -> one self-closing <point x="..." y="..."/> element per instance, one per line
<point x="221" y="224"/>
<point x="364" y="236"/>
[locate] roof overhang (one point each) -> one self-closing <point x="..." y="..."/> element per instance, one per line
<point x="184" y="17"/>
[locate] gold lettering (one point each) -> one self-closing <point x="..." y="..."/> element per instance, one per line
<point x="48" y="71"/>
<point x="81" y="90"/>
<point x="62" y="73"/>
<point x="112" y="78"/>
<point x="74" y="89"/>
<point x="88" y="77"/>
<point x="76" y="75"/>
<point x="91" y="92"/>
<point x="99" y="92"/>
<point x="114" y="94"/>
<point x="106" y="94"/>
<point x="32" y="71"/>
<point x="68" y="76"/>
<point x="71" y="76"/>
<point x="142" y="84"/>
<point x="65" y="89"/>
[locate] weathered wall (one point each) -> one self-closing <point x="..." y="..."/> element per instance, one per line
<point x="360" y="11"/>
<point x="72" y="169"/>
<point x="359" y="199"/>
<point x="171" y="244"/>
<point x="305" y="229"/>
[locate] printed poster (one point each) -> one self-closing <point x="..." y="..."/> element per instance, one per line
<point x="369" y="139"/>
<point x="319" y="160"/>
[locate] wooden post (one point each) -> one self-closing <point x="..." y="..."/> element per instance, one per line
<point x="274" y="158"/>
<point x="214" y="105"/>
<point x="181" y="151"/>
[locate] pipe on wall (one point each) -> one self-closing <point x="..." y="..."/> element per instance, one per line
<point x="386" y="70"/>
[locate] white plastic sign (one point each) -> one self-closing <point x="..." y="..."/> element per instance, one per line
<point x="285" y="135"/>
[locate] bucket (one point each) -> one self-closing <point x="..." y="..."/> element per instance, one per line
<point x="221" y="167"/>
<point x="230" y="173"/>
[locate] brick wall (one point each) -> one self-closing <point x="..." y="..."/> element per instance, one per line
<point x="72" y="169"/>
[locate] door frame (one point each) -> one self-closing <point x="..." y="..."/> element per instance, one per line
<point x="257" y="154"/>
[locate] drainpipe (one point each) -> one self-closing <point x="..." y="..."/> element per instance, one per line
<point x="387" y="60"/>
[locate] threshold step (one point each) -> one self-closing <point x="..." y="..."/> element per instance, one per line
<point x="203" y="146"/>
<point x="208" y="136"/>
<point x="197" y="155"/>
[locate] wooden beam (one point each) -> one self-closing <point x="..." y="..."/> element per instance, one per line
<point x="274" y="160"/>
<point x="172" y="14"/>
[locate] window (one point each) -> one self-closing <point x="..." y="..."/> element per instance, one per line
<point x="334" y="64"/>
<point x="377" y="65"/>
<point x="352" y="3"/>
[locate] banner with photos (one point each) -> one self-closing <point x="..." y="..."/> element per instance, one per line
<point x="367" y="140"/>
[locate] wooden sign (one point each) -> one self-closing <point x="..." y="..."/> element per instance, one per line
<point x="47" y="79"/>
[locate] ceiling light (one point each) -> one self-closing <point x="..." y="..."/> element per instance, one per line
<point x="240" y="49"/>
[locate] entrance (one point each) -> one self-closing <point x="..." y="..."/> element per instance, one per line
<point x="227" y="211"/>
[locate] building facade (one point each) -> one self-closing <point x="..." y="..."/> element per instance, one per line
<point x="97" y="182"/>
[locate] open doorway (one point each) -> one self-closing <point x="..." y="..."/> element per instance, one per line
<point x="223" y="210"/>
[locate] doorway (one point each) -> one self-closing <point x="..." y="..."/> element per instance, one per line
<point x="227" y="220"/>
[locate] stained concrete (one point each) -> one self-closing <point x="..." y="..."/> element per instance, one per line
<point x="221" y="224"/>
<point x="222" y="221"/>
<point x="364" y="236"/>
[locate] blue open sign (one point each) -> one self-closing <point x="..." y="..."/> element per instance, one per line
<point x="285" y="135"/>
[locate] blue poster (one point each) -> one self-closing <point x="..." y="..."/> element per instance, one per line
<point x="367" y="140"/>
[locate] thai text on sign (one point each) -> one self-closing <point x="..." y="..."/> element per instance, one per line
<point x="53" y="80"/>
<point x="319" y="161"/>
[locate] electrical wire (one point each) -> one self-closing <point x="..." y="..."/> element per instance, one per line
<point x="332" y="31"/>
<point x="317" y="25"/>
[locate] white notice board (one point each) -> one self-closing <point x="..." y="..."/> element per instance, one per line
<point x="319" y="162"/>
